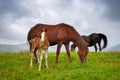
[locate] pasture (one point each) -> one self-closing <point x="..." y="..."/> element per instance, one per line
<point x="99" y="66"/>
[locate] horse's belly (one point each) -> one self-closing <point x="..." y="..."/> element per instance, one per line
<point x="53" y="43"/>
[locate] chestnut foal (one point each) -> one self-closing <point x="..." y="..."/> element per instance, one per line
<point x="41" y="43"/>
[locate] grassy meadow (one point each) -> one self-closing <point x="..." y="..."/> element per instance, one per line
<point x="99" y="66"/>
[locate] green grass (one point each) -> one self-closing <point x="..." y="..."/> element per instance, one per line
<point x="99" y="66"/>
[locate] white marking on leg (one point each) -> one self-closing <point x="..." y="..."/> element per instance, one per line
<point x="46" y="58"/>
<point x="40" y="61"/>
<point x="43" y="36"/>
<point x="31" y="55"/>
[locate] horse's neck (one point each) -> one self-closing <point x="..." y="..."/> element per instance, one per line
<point x="46" y="40"/>
<point x="81" y="43"/>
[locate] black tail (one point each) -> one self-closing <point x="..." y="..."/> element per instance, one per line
<point x="102" y="36"/>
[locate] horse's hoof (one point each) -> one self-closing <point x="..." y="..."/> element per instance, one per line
<point x="31" y="66"/>
<point x="56" y="62"/>
<point x="70" y="60"/>
<point x="47" y="67"/>
<point x="37" y="62"/>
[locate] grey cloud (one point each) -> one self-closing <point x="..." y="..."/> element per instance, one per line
<point x="13" y="7"/>
<point x="10" y="11"/>
<point x="10" y="34"/>
<point x="112" y="9"/>
<point x="64" y="4"/>
<point x="85" y="16"/>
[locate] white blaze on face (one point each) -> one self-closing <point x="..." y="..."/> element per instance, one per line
<point x="43" y="36"/>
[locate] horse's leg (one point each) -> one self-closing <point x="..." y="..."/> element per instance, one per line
<point x="95" y="47"/>
<point x="40" y="60"/>
<point x="35" y="54"/>
<point x="31" y="54"/>
<point x="68" y="52"/>
<point x="58" y="51"/>
<point x="73" y="47"/>
<point x="99" y="46"/>
<point x="46" y="58"/>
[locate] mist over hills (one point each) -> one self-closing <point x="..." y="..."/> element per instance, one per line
<point x="24" y="46"/>
<point x="114" y="48"/>
<point x="19" y="47"/>
<point x="13" y="48"/>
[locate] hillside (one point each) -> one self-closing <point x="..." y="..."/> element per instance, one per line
<point x="13" y="48"/>
<point x="101" y="66"/>
<point x="23" y="47"/>
<point x="114" y="48"/>
<point x="19" y="47"/>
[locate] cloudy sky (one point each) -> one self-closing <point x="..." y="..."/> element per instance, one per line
<point x="86" y="16"/>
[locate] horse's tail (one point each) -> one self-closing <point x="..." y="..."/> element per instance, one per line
<point x="102" y="36"/>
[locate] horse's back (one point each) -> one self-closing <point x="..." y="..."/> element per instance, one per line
<point x="58" y="31"/>
<point x="94" y="37"/>
<point x="37" y="29"/>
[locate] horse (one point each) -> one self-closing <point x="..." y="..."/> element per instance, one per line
<point x="61" y="34"/>
<point x="92" y="40"/>
<point x="42" y="44"/>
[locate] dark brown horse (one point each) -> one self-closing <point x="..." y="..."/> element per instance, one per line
<point x="61" y="34"/>
<point x="92" y="40"/>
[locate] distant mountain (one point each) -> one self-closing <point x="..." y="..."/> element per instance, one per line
<point x="114" y="48"/>
<point x="20" y="47"/>
<point x="24" y="46"/>
<point x="13" y="48"/>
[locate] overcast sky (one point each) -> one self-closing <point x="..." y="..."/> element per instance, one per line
<point x="86" y="16"/>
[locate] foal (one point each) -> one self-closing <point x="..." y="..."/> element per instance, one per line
<point x="42" y="44"/>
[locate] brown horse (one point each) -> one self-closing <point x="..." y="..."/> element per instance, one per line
<point x="42" y="44"/>
<point x="61" y="34"/>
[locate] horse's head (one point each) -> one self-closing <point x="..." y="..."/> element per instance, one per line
<point x="43" y="34"/>
<point x="83" y="51"/>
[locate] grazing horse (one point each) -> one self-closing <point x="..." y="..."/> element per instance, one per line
<point x="61" y="34"/>
<point x="42" y="44"/>
<point x="92" y="40"/>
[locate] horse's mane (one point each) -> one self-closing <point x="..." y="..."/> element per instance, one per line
<point x="70" y="27"/>
<point x="79" y="39"/>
